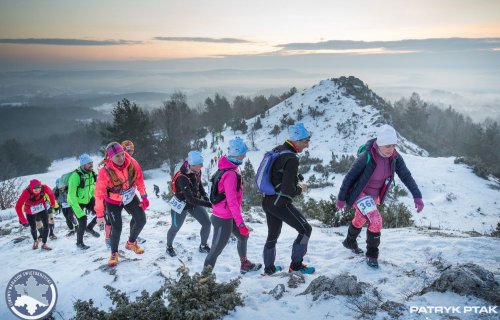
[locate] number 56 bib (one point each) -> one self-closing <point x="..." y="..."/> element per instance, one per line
<point x="366" y="205"/>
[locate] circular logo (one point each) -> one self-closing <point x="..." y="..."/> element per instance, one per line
<point x="31" y="294"/>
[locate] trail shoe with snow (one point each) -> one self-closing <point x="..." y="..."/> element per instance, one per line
<point x="269" y="271"/>
<point x="354" y="248"/>
<point x="45" y="247"/>
<point x="170" y="251"/>
<point x="53" y="237"/>
<point x="248" y="266"/>
<point x="35" y="245"/>
<point x="93" y="232"/>
<point x="302" y="268"/>
<point x="71" y="233"/>
<point x="113" y="260"/>
<point x="204" y="248"/>
<point x="82" y="246"/>
<point x="372" y="262"/>
<point x="134" y="247"/>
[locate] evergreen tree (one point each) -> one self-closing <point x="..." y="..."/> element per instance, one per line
<point x="178" y="124"/>
<point x="132" y="123"/>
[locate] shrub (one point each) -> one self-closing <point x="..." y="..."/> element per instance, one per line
<point x="396" y="215"/>
<point x="191" y="297"/>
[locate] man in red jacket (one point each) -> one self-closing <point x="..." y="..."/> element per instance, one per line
<point x="33" y="201"/>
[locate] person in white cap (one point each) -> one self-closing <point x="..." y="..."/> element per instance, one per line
<point x="366" y="185"/>
<point x="188" y="189"/>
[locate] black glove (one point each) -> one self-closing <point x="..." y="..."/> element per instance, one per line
<point x="24" y="224"/>
<point x="301" y="177"/>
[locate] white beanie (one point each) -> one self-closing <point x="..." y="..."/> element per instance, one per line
<point x="386" y="135"/>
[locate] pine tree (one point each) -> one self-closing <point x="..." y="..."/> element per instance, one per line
<point x="130" y="122"/>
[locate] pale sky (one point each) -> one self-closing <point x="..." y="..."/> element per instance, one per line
<point x="117" y="30"/>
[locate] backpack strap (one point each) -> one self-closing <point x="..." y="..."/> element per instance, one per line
<point x="174" y="181"/>
<point x="215" y="195"/>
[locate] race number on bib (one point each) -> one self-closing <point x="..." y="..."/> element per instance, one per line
<point x="177" y="205"/>
<point x="38" y="208"/>
<point x="366" y="205"/>
<point x="128" y="195"/>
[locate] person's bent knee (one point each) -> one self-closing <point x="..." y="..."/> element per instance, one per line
<point x="307" y="230"/>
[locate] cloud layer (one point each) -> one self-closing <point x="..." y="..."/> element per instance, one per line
<point x="429" y="45"/>
<point x="68" y="42"/>
<point x="202" y="39"/>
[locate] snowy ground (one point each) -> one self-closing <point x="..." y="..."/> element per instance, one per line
<point x="456" y="203"/>
<point x="408" y="259"/>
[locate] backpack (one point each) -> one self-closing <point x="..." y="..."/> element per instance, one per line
<point x="263" y="176"/>
<point x="215" y="195"/>
<point x="174" y="180"/>
<point x="117" y="182"/>
<point x="361" y="149"/>
<point x="64" y="179"/>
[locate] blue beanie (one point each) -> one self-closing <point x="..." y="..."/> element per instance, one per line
<point x="237" y="147"/>
<point x="298" y="132"/>
<point x="195" y="158"/>
<point x="84" y="159"/>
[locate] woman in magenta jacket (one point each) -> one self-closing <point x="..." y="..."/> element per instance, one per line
<point x="226" y="217"/>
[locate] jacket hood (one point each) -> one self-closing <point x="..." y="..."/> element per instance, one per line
<point x="35" y="183"/>
<point x="224" y="163"/>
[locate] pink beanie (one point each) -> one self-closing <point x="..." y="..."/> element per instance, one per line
<point x="113" y="148"/>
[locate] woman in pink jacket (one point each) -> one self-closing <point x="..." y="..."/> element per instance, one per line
<point x="117" y="183"/>
<point x="226" y="217"/>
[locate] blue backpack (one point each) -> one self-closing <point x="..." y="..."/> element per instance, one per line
<point x="263" y="176"/>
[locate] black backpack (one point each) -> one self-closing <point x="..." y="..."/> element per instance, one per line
<point x="215" y="196"/>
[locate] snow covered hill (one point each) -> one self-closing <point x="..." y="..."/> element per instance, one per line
<point x="457" y="202"/>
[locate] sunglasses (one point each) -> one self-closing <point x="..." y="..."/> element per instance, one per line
<point x="37" y="188"/>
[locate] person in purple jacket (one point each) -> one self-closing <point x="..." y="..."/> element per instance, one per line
<point x="226" y="216"/>
<point x="365" y="186"/>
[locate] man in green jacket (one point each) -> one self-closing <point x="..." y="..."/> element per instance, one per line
<point x="81" y="186"/>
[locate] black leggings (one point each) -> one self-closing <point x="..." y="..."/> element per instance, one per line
<point x="82" y="222"/>
<point x="114" y="216"/>
<point x="222" y="230"/>
<point x="70" y="218"/>
<point x="275" y="217"/>
<point x="41" y="216"/>
<point x="199" y="213"/>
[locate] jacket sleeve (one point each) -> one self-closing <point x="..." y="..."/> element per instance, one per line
<point x="49" y="192"/>
<point x="352" y="176"/>
<point x="183" y="183"/>
<point x="73" y="184"/>
<point x="100" y="192"/>
<point x="139" y="180"/>
<point x="405" y="175"/>
<point x="229" y="180"/>
<point x="19" y="206"/>
<point x="203" y="192"/>
<point x="289" y="185"/>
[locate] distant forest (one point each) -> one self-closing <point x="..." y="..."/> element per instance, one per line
<point x="167" y="133"/>
<point x="34" y="136"/>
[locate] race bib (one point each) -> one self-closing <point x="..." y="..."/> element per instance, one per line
<point x="177" y="205"/>
<point x="366" y="205"/>
<point x="65" y="205"/>
<point x="128" y="195"/>
<point x="38" y="208"/>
